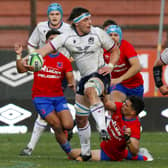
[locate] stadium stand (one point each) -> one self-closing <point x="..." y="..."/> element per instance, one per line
<point x="139" y="18"/>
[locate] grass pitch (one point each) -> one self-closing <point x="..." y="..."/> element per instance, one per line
<point x="48" y="154"/>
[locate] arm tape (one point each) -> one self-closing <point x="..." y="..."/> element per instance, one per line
<point x="157" y="74"/>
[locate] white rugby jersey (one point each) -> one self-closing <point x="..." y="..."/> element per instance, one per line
<point x="38" y="36"/>
<point x="87" y="50"/>
<point x="164" y="56"/>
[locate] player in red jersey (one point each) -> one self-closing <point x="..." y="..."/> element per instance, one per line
<point x="36" y="40"/>
<point x="126" y="77"/>
<point x="124" y="131"/>
<point x="47" y="91"/>
<point x="124" y="128"/>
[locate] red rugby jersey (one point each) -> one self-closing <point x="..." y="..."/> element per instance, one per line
<point x="115" y="147"/>
<point x="127" y="52"/>
<point x="48" y="81"/>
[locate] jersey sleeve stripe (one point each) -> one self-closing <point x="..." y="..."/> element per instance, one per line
<point x="52" y="45"/>
<point x="32" y="45"/>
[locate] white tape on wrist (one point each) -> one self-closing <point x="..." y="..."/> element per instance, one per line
<point x="18" y="57"/>
<point x="111" y="65"/>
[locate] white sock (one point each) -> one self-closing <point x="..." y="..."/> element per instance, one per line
<point x="39" y="127"/>
<point x="98" y="114"/>
<point x="84" y="136"/>
<point x="107" y="118"/>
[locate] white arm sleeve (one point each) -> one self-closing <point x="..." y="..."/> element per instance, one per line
<point x="105" y="39"/>
<point x="58" y="42"/>
<point x="34" y="39"/>
<point x="64" y="51"/>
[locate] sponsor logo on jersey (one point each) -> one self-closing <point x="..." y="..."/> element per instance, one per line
<point x="91" y="40"/>
<point x="59" y="64"/>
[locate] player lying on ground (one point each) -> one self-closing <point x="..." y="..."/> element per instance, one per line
<point x="124" y="131"/>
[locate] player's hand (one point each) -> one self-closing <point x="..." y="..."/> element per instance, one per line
<point x="25" y="61"/>
<point x="105" y="70"/>
<point x="72" y="86"/>
<point x="164" y="90"/>
<point x="127" y="134"/>
<point x="18" y="48"/>
<point x="71" y="59"/>
<point x="116" y="81"/>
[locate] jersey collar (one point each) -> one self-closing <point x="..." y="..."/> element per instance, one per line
<point x="52" y="55"/>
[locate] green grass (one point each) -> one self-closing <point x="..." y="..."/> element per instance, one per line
<point x="49" y="155"/>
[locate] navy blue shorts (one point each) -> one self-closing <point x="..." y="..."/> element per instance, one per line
<point x="105" y="79"/>
<point x="45" y="105"/>
<point x="137" y="91"/>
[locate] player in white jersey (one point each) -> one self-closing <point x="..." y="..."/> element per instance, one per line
<point x="37" y="40"/>
<point x="38" y="36"/>
<point x="157" y="72"/>
<point x="85" y="44"/>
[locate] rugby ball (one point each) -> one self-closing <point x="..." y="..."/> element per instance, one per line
<point x="36" y="61"/>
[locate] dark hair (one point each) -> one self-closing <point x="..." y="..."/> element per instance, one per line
<point x="52" y="32"/>
<point x="109" y="22"/>
<point x="137" y="103"/>
<point x="77" y="12"/>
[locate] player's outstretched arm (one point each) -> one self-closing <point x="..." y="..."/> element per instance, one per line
<point x="19" y="63"/>
<point x="114" y="57"/>
<point x="95" y="154"/>
<point x="133" y="146"/>
<point x="133" y="70"/>
<point x="46" y="49"/>
<point x="109" y="105"/>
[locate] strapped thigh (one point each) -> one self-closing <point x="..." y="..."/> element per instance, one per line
<point x="95" y="83"/>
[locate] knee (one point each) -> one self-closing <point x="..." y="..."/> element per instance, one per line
<point x="68" y="125"/>
<point x="41" y="121"/>
<point x="81" y="121"/>
<point x="56" y="125"/>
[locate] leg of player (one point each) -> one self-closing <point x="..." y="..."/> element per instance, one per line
<point x="143" y="155"/>
<point x="73" y="113"/>
<point x="117" y="96"/>
<point x="39" y="127"/>
<point x="93" y="89"/>
<point x="84" y="130"/>
<point x="55" y="123"/>
<point x="67" y="122"/>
